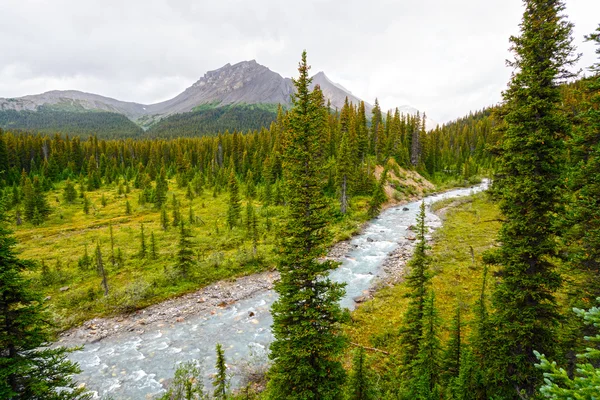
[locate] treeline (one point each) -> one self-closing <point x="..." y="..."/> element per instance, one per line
<point x="106" y="125"/>
<point x="352" y="149"/>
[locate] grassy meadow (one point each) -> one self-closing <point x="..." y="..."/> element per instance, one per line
<point x="61" y="243"/>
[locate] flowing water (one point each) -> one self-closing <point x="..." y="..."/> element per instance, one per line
<point x="134" y="366"/>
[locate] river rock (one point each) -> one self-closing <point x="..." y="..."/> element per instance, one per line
<point x="359" y="299"/>
<point x="64" y="288"/>
<point x="404" y="208"/>
<point x="370" y="240"/>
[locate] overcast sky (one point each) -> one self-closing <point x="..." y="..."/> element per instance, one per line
<point x="444" y="57"/>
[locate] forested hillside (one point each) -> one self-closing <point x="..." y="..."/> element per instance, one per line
<point x="212" y="120"/>
<point x="106" y="125"/>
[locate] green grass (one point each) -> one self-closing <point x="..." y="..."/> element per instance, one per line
<point x="471" y="224"/>
<point x="60" y="242"/>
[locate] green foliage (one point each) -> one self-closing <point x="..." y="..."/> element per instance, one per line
<point x="85" y="123"/>
<point x="306" y="317"/>
<point x="378" y="197"/>
<point x="361" y="383"/>
<point x="185" y="253"/>
<point x="28" y="368"/>
<point x="234" y="209"/>
<point x="187" y="383"/>
<point x="212" y="120"/>
<point x="221" y="380"/>
<point x="424" y="383"/>
<point x="528" y="179"/>
<point x="586" y="382"/>
<point x="417" y="283"/>
<point x="69" y="192"/>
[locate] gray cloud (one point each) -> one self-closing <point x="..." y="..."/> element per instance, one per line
<point x="446" y="58"/>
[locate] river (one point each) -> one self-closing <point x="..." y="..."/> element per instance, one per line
<point x="135" y="366"/>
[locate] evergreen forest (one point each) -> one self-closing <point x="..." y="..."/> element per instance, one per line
<point x="102" y="219"/>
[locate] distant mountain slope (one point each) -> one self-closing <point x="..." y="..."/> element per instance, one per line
<point x="72" y="100"/>
<point x="241" y="84"/>
<point x="246" y="82"/>
<point x="336" y="93"/>
<point x="238" y="117"/>
<point x="108" y="125"/>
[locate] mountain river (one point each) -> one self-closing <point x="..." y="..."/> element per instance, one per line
<point x="135" y="366"/>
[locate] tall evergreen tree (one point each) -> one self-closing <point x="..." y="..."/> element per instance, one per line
<point x="100" y="268"/>
<point x="582" y="222"/>
<point x="417" y="282"/>
<point x="185" y="253"/>
<point x="526" y="314"/>
<point x="234" y="209"/>
<point x="221" y="381"/>
<point x="344" y="171"/>
<point x="306" y="317"/>
<point x="69" y="192"/>
<point x="143" y="248"/>
<point x="361" y="382"/>
<point x="424" y="383"/>
<point x="29" y="367"/>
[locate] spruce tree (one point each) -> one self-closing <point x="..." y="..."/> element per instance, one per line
<point x="361" y="380"/>
<point x="221" y="381"/>
<point x="344" y="173"/>
<point x="142" y="242"/>
<point x="527" y="183"/>
<point x="69" y="192"/>
<point x="86" y="204"/>
<point x="582" y="221"/>
<point x="307" y="315"/>
<point x="424" y="383"/>
<point x="100" y="268"/>
<point x="29" y="367"/>
<point x="378" y="198"/>
<point x="234" y="208"/>
<point x="153" y="247"/>
<point x="185" y="253"/>
<point x="164" y="219"/>
<point x="417" y="282"/>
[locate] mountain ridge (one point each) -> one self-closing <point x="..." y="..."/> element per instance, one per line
<point x="246" y="82"/>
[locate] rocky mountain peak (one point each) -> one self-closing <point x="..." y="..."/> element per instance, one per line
<point x="231" y="77"/>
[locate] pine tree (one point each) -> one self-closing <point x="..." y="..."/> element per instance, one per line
<point x="528" y="183"/>
<point x="344" y="173"/>
<point x="142" y="242"/>
<point x="417" y="282"/>
<point x="100" y="268"/>
<point x="221" y="381"/>
<point x="185" y="253"/>
<point x="306" y="317"/>
<point x="164" y="219"/>
<point x="86" y="204"/>
<point x="127" y="208"/>
<point x="424" y="383"/>
<point x="361" y="382"/>
<point x="582" y="222"/>
<point x="153" y="247"/>
<point x="69" y="192"/>
<point x="234" y="208"/>
<point x="29" y="367"/>
<point x="451" y="359"/>
<point x="113" y="261"/>
<point x="378" y="198"/>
